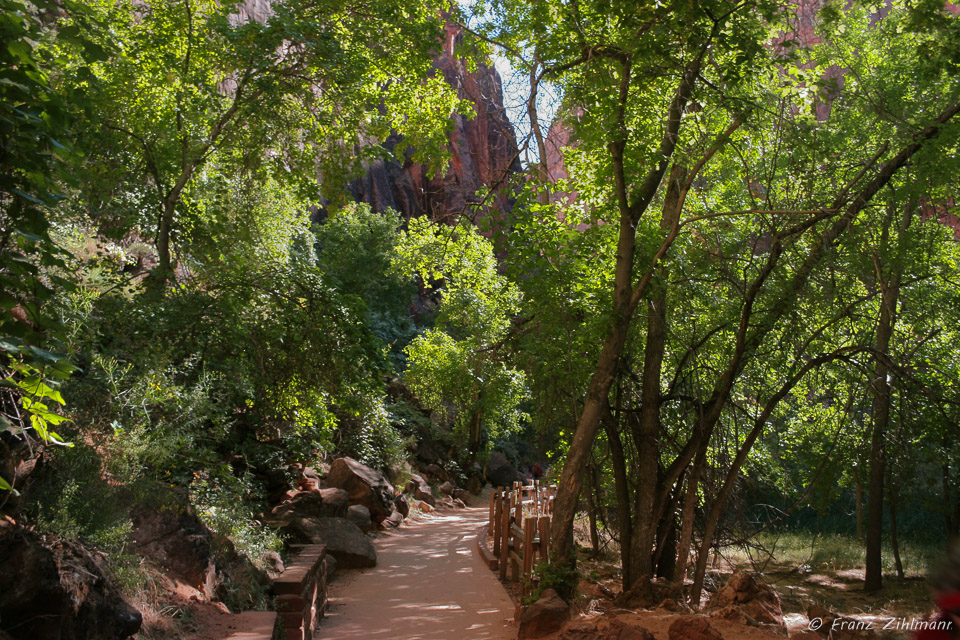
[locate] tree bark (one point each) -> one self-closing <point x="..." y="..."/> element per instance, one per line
<point x="894" y="542"/>
<point x="622" y="487"/>
<point x="571" y="477"/>
<point x="648" y="436"/>
<point x="592" y="509"/>
<point x="665" y="556"/>
<point x="689" y="514"/>
<point x="858" y="506"/>
<point x="164" y="228"/>
<point x="873" y="576"/>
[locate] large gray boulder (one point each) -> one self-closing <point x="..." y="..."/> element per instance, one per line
<point x="329" y="503"/>
<point x="420" y="489"/>
<point x="360" y="516"/>
<point x="335" y="502"/>
<point x="364" y="485"/>
<point x="500" y="473"/>
<point x="58" y="589"/>
<point x="402" y="505"/>
<point x="343" y="539"/>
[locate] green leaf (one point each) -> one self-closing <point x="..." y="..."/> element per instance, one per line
<point x="5" y="486"/>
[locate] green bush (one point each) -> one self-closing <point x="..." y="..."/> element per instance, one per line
<point x="369" y="435"/>
<point x="61" y="497"/>
<point x="561" y="577"/>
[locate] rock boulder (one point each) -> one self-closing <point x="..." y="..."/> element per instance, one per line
<point x="757" y="600"/>
<point x="436" y="471"/>
<point x="620" y="630"/>
<point x="543" y="617"/>
<point x="499" y="471"/>
<point x="420" y="489"/>
<point x="344" y="540"/>
<point x="395" y="520"/>
<point x="325" y="503"/>
<point x="365" y="486"/>
<point x="335" y="502"/>
<point x="177" y="541"/>
<point x="692" y="628"/>
<point x="360" y="516"/>
<point x="402" y="505"/>
<point x="57" y="589"/>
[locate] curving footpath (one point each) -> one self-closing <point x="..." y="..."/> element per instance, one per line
<point x="429" y="584"/>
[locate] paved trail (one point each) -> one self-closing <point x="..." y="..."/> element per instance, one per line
<point x="428" y="584"/>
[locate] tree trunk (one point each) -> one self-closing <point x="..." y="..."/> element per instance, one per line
<point x="892" y="503"/>
<point x="475" y="433"/>
<point x="648" y="445"/>
<point x="624" y="302"/>
<point x="649" y="477"/>
<point x="622" y="487"/>
<point x="592" y="509"/>
<point x="665" y="557"/>
<point x="164" y="268"/>
<point x="858" y="498"/>
<point x="873" y="576"/>
<point x="689" y="514"/>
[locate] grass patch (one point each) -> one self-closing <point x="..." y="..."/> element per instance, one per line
<point x="833" y="552"/>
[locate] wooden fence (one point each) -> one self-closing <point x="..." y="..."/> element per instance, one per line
<point x="520" y="519"/>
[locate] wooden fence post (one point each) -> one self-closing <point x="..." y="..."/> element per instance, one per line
<point x="497" y="521"/>
<point x="529" y="529"/>
<point x="543" y="524"/>
<point x="504" y="537"/>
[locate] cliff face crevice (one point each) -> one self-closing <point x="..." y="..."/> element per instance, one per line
<point x="483" y="152"/>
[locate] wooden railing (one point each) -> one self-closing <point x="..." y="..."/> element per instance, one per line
<point x="520" y="524"/>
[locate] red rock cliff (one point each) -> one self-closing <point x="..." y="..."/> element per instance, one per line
<point x="484" y="152"/>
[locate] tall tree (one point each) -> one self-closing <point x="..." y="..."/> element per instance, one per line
<point x="304" y="88"/>
<point x="800" y="187"/>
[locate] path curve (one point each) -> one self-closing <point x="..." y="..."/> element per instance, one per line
<point x="429" y="584"/>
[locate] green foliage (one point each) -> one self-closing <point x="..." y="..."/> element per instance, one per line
<point x="368" y="433"/>
<point x="33" y="145"/>
<point x="356" y="249"/>
<point x="229" y="505"/>
<point x="61" y="498"/>
<point x="562" y="577"/>
<point x="183" y="85"/>
<point x="456" y="368"/>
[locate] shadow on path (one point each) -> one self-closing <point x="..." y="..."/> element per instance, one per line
<point x="429" y="584"/>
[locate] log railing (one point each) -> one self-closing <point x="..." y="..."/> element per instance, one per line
<point x="520" y="526"/>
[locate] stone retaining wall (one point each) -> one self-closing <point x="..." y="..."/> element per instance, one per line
<point x="301" y="592"/>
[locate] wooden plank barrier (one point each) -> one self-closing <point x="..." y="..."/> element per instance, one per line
<point x="520" y="524"/>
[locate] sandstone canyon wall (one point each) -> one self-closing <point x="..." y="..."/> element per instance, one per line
<point x="483" y="150"/>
